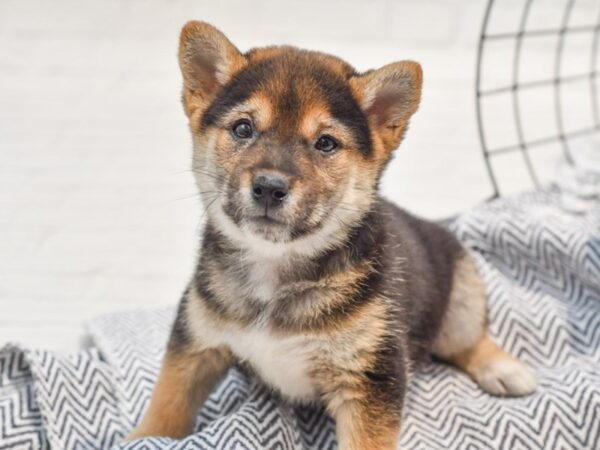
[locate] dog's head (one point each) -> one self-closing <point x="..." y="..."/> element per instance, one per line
<point x="289" y="145"/>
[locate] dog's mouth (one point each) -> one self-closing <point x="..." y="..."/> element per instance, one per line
<point x="267" y="220"/>
<point x="268" y="227"/>
<point x="275" y="224"/>
<point x="266" y="223"/>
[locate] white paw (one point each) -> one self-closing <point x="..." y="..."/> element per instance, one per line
<point x="506" y="377"/>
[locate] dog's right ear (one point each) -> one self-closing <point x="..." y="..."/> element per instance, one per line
<point x="207" y="60"/>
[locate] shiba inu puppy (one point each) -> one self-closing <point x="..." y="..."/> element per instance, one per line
<point x="306" y="276"/>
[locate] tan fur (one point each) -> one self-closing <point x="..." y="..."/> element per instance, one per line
<point x="465" y="321"/>
<point x="360" y="426"/>
<point x="496" y="371"/>
<point x="317" y="120"/>
<point x="259" y="108"/>
<point x="390" y="95"/>
<point x="200" y="83"/>
<point x="348" y="348"/>
<point x="184" y="383"/>
<point x="480" y="354"/>
<point x="310" y="301"/>
<point x="464" y="341"/>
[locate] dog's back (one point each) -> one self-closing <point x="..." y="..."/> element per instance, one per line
<point x="426" y="254"/>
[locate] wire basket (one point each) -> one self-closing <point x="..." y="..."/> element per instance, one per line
<point x="546" y="48"/>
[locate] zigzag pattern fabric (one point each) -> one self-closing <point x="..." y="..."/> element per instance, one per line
<point x="541" y="262"/>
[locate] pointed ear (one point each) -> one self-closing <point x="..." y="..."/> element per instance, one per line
<point x="389" y="96"/>
<point x="207" y="59"/>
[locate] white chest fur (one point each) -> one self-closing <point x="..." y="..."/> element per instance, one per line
<point x="281" y="362"/>
<point x="263" y="279"/>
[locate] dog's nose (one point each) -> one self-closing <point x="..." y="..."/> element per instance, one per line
<point x="269" y="190"/>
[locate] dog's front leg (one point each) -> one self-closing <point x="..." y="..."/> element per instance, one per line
<point x="186" y="379"/>
<point x="190" y="370"/>
<point x="364" y="426"/>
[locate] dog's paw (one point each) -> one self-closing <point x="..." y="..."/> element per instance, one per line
<point x="137" y="433"/>
<point x="506" y="377"/>
<point x="143" y="432"/>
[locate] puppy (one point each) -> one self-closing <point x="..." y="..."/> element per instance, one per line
<point x="306" y="276"/>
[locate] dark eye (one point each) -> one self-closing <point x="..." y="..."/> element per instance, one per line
<point x="242" y="129"/>
<point x="326" y="144"/>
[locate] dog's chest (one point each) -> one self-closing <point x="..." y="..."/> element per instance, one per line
<point x="282" y="362"/>
<point x="262" y="279"/>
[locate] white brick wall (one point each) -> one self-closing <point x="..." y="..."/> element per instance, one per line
<point x="97" y="207"/>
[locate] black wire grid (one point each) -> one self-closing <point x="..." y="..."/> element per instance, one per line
<point x="557" y="80"/>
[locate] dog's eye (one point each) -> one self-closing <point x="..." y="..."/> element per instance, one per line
<point x="242" y="129"/>
<point x="326" y="144"/>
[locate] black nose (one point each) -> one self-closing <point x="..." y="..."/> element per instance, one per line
<point x="269" y="190"/>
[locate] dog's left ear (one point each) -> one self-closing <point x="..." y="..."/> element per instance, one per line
<point x="208" y="60"/>
<point x="389" y="96"/>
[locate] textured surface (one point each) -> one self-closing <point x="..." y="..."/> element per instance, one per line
<point x="540" y="257"/>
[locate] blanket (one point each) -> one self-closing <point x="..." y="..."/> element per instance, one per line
<point x="539" y="254"/>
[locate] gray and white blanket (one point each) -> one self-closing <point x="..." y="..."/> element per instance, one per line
<point x="540" y="255"/>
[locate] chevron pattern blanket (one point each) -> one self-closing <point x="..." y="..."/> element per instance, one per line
<point x="540" y="256"/>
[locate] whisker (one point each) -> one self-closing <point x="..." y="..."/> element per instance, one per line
<point x="208" y="173"/>
<point x="208" y="206"/>
<point x="197" y="194"/>
<point x="187" y="197"/>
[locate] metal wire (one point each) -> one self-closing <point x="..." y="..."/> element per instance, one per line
<point x="557" y="81"/>
<point x="523" y="145"/>
<point x="515" y="91"/>
<point x="478" y="76"/>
